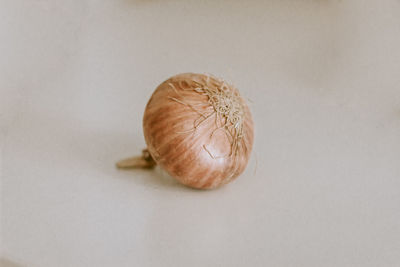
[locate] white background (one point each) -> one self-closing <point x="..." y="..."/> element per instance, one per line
<point x="323" y="184"/>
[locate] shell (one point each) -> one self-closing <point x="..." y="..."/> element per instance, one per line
<point x="184" y="141"/>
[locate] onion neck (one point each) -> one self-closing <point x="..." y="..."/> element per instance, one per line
<point x="145" y="161"/>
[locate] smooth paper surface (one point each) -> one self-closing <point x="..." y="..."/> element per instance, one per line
<point x="323" y="184"/>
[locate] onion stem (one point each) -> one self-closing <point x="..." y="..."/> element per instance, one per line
<point x="144" y="162"/>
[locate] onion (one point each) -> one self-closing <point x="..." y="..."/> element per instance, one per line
<point x="197" y="128"/>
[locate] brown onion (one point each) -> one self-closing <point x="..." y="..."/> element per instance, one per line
<point x="198" y="129"/>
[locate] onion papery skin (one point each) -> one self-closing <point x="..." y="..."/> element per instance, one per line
<point x="202" y="157"/>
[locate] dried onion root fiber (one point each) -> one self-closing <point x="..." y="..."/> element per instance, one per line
<point x="199" y="129"/>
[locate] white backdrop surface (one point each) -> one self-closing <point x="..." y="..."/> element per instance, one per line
<point x="323" y="184"/>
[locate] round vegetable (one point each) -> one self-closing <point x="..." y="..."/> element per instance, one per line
<point x="199" y="129"/>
